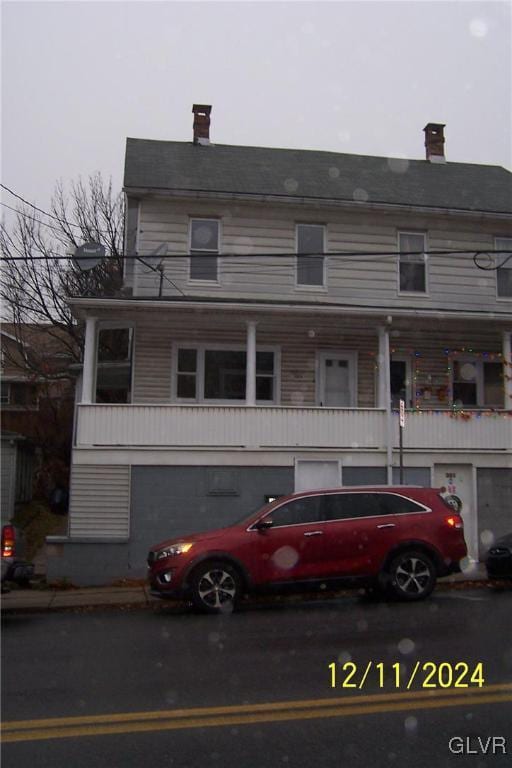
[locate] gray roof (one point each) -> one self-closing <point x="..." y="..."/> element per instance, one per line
<point x="181" y="166"/>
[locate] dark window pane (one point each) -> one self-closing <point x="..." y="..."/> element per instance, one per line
<point x="203" y="266"/>
<point x="204" y="235"/>
<point x="307" y="510"/>
<point x="464" y="394"/>
<point x="398" y="370"/>
<point x="397" y="505"/>
<point x="224" y="375"/>
<point x="187" y="360"/>
<point x="348" y="505"/>
<point x="504" y="273"/>
<point x="265" y="362"/>
<point x="493" y="384"/>
<point x="464" y="383"/>
<point x="114" y="365"/>
<point x="412" y="262"/>
<point x="505" y="281"/>
<point x="310" y="238"/>
<point x="310" y="270"/>
<point x="114" y="344"/>
<point x="412" y="277"/>
<point x="5" y="392"/>
<point x="264" y="388"/>
<point x="186" y="386"/>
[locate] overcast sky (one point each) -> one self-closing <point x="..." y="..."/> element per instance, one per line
<point x="359" y="77"/>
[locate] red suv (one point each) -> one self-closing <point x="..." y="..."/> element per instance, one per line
<point x="398" y="539"/>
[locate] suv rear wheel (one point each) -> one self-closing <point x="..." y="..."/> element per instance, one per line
<point x="411" y="575"/>
<point x="216" y="587"/>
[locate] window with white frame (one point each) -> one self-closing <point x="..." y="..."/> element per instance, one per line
<point x="412" y="262"/>
<point x="114" y="365"/>
<point x="205" y="374"/>
<point x="310" y="259"/>
<point x="204" y="249"/>
<point x="477" y="383"/>
<point x="504" y="270"/>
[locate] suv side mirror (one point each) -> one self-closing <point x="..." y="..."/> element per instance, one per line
<point x="264" y="524"/>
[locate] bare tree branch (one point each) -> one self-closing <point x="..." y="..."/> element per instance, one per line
<point x="38" y="274"/>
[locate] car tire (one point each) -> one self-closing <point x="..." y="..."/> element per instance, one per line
<point x="215" y="587"/>
<point x="411" y="576"/>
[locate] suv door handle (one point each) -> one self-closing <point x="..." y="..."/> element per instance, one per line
<point x="387" y="525"/>
<point x="313" y="533"/>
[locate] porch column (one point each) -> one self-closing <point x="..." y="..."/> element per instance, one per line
<point x="384" y="396"/>
<point x="507" y="368"/>
<point x="250" y="371"/>
<point x="89" y="360"/>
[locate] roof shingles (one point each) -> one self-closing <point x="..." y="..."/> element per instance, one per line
<point x="181" y="166"/>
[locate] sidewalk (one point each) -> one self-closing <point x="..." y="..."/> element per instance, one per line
<point x="138" y="596"/>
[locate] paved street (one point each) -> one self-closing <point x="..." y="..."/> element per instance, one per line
<point x="132" y="688"/>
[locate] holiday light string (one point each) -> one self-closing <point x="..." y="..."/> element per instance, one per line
<point x="453" y="411"/>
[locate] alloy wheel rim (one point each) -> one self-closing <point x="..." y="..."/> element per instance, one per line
<point x="412" y="575"/>
<point x="216" y="588"/>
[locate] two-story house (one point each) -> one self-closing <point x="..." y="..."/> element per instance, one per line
<point x="281" y="304"/>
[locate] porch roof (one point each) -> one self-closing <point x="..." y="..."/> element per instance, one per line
<point x="87" y="306"/>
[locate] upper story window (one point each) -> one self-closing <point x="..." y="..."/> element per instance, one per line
<point x="114" y="365"/>
<point x="477" y="383"/>
<point x="204" y="249"/>
<point x="310" y="267"/>
<point x="412" y="266"/>
<point x="504" y="273"/>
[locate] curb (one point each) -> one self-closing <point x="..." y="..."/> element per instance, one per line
<point x="146" y="601"/>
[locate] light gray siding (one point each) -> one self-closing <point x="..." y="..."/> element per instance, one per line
<point x="8" y="478"/>
<point x="100" y="501"/>
<point x="454" y="282"/>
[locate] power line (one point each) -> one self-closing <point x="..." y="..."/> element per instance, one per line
<point x="50" y="215"/>
<point x="45" y="213"/>
<point x="370" y="256"/>
<point x="32" y="218"/>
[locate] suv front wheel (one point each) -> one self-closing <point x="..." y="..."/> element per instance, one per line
<point x="411" y="575"/>
<point x="215" y="587"/>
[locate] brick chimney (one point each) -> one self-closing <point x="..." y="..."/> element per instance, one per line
<point x="201" y="123"/>
<point x="434" y="142"/>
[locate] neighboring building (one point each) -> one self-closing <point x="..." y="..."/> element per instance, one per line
<point x="16" y="472"/>
<point x="286" y="301"/>
<point x="37" y="405"/>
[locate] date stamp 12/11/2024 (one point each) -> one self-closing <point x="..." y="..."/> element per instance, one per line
<point x="399" y="676"/>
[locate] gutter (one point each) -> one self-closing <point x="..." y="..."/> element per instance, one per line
<point x="335" y="309"/>
<point x="197" y="194"/>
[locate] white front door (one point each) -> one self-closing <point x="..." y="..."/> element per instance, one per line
<point x="316" y="474"/>
<point x="337" y="379"/>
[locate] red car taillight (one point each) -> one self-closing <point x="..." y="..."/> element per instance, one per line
<point x="8" y="540"/>
<point x="454" y="521"/>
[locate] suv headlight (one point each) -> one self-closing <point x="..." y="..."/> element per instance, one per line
<point x="173" y="550"/>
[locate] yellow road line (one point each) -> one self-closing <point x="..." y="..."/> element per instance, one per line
<point x="96" y="725"/>
<point x="348" y="700"/>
